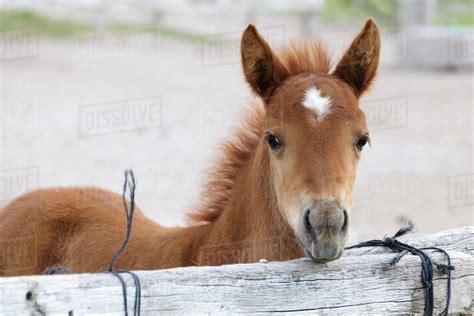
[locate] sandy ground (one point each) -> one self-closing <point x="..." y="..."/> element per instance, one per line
<point x="182" y="98"/>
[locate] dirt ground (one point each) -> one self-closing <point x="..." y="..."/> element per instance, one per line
<point x="177" y="100"/>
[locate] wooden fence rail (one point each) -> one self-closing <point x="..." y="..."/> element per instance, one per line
<point x="360" y="282"/>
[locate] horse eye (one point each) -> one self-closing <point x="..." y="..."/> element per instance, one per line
<point x="273" y="142"/>
<point x="361" y="142"/>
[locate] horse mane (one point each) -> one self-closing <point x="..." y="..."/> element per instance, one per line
<point x="234" y="153"/>
<point x="232" y="156"/>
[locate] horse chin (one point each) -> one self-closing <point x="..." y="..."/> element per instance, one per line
<point x="312" y="253"/>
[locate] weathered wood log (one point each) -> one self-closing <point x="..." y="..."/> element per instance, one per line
<point x="360" y="282"/>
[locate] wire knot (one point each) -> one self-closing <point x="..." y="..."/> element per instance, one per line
<point x="426" y="264"/>
<point x="444" y="268"/>
<point x="389" y="242"/>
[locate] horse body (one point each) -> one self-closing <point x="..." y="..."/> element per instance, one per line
<point x="82" y="228"/>
<point x="282" y="186"/>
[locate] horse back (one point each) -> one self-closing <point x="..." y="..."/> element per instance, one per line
<point x="41" y="228"/>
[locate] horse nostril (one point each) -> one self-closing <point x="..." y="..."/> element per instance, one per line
<point x="346" y="222"/>
<point x="308" y="225"/>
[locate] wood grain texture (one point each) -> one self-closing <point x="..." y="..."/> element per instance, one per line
<point x="360" y="282"/>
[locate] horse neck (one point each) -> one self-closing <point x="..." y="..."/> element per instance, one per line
<point x="251" y="226"/>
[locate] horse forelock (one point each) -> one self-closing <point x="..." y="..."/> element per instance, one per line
<point x="305" y="57"/>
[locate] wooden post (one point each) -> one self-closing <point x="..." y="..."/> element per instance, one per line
<point x="360" y="282"/>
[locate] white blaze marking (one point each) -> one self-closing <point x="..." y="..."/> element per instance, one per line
<point x="316" y="102"/>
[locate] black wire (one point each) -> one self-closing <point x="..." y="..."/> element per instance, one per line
<point x="124" y="290"/>
<point x="426" y="264"/>
<point x="138" y="293"/>
<point x="131" y="185"/>
<point x="129" y="216"/>
<point x="446" y="269"/>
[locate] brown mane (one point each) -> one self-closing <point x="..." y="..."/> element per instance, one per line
<point x="232" y="155"/>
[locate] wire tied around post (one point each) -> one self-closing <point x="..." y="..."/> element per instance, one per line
<point x="426" y="264"/>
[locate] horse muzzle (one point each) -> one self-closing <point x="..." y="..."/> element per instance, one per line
<point x="323" y="229"/>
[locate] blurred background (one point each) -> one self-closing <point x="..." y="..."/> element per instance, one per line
<point x="89" y="88"/>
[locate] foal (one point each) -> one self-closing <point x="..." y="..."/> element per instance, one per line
<point x="281" y="189"/>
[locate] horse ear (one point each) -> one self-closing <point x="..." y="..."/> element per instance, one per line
<point x="359" y="63"/>
<point x="262" y="69"/>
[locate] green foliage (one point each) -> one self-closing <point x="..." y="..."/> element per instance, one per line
<point x="455" y="13"/>
<point x="449" y="12"/>
<point x="55" y="27"/>
<point x="65" y="28"/>
<point x="346" y="10"/>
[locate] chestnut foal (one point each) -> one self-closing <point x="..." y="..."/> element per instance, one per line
<point x="281" y="189"/>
